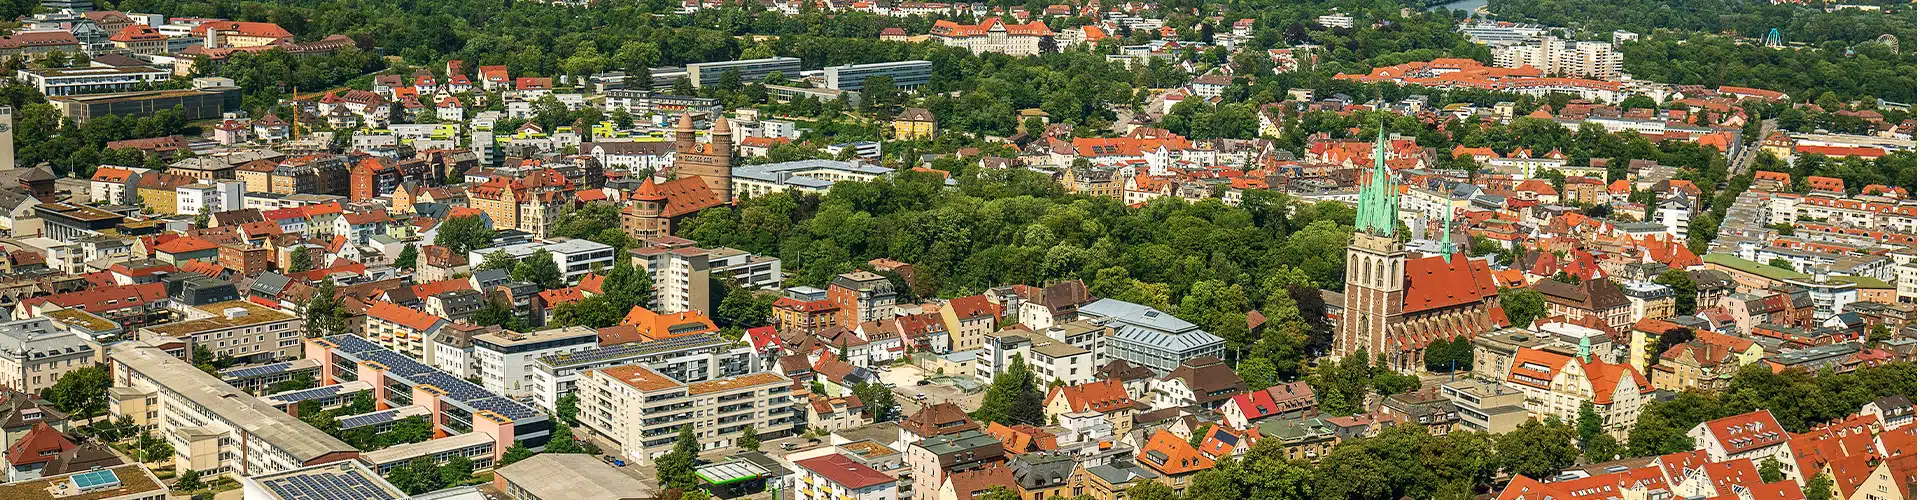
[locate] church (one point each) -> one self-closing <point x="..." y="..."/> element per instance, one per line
<point x="702" y="177"/>
<point x="1395" y="304"/>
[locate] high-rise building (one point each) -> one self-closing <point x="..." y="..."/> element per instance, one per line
<point x="1562" y="57"/>
<point x="6" y="137"/>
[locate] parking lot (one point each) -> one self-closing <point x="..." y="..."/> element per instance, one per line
<point x="905" y="380"/>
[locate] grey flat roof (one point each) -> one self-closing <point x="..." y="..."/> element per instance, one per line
<point x="257" y="418"/>
<point x="574" y="476"/>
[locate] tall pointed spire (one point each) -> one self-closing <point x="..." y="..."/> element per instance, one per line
<point x="1379" y="207"/>
<point x="1446" y="238"/>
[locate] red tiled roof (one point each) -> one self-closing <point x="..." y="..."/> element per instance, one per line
<point x="1746" y="431"/>
<point x="105" y="299"/>
<point x="1433" y="283"/>
<point x="1167" y="454"/>
<point x="844" y="471"/>
<point x="41" y="444"/>
<point x="396" y="314"/>
<point x="1101" y="396"/>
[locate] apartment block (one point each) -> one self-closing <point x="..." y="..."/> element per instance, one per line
<point x="239" y="329"/>
<point x="38" y="351"/>
<point x="643" y="411"/>
<point x="691" y="358"/>
<point x="213" y="427"/>
<point x="679" y="275"/>
<point x="505" y="359"/>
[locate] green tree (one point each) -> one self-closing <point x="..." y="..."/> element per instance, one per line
<point x="1819" y="488"/>
<point x="1014" y="397"/>
<point x="325" y="313"/>
<point x="301" y="261"/>
<point x="189" y="481"/>
<point x="513" y="454"/>
<point x="568" y="408"/>
<point x="464" y="234"/>
<point x="749" y="439"/>
<point x="1683" y="288"/>
<point x="562" y="440"/>
<point x="880" y="405"/>
<point x="1770" y="471"/>
<point x="539" y="268"/>
<point x="1538" y="449"/>
<point x="498" y="259"/>
<point x="82" y="392"/>
<point x="1523" y="305"/>
<point x="676" y="466"/>
<point x="407" y="258"/>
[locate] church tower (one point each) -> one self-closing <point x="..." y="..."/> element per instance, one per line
<point x="711" y="162"/>
<point x="1376" y="265"/>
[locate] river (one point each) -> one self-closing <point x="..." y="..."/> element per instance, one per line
<point x="1468" y="5"/>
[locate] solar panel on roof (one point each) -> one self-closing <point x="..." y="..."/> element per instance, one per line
<point x="255" y="371"/>
<point x="99" y="479"/>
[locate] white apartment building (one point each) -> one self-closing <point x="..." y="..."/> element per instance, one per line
<point x="679" y="277"/>
<point x="1049" y="359"/>
<point x="1554" y="56"/>
<point x="642" y="411"/>
<point x="505" y="359"/>
<point x="34" y="353"/>
<point x="576" y="257"/>
<point x="213" y="427"/>
<point x="238" y="328"/>
<point x="801" y="176"/>
<point x="692" y="358"/>
<point x="218" y="196"/>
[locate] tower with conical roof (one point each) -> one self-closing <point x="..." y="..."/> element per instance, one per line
<point x="1376" y="264"/>
<point x="711" y="162"/>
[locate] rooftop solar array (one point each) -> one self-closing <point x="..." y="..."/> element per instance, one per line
<point x="306" y="394"/>
<point x="633" y="349"/>
<point x="374" y="418"/>
<point x="340" y="485"/>
<point x="93" y="480"/>
<point x="458" y="389"/>
<point x="255" y="371"/>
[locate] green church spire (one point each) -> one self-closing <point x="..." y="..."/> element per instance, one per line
<point x="1446" y="238"/>
<point x="1379" y="207"/>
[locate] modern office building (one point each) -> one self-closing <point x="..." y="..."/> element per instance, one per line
<point x="91" y="79"/>
<point x="213" y="427"/>
<point x="205" y="103"/>
<point x="643" y="411"/>
<point x="644" y="103"/>
<point x="801" y="176"/>
<point x="455" y="406"/>
<point x="749" y="70"/>
<point x="69" y="222"/>
<point x="906" y="75"/>
<point x="1148" y="337"/>
<point x="505" y="359"/>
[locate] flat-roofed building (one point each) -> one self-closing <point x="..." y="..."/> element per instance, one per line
<point x="341" y="480"/>
<point x="1486" y="406"/>
<point x="238" y="329"/>
<point x="476" y="447"/>
<point x="213" y="427"/>
<point x="35" y="353"/>
<point x="505" y="358"/>
<point x="204" y="103"/>
<point x="69" y="222"/>
<point x="801" y="176"/>
<point x="574" y="257"/>
<point x="905" y="74"/>
<point x="749" y="70"/>
<point x="455" y="406"/>
<point x="642" y="411"/>
<point x="91" y="79"/>
<point x="125" y="482"/>
<point x="691" y="358"/>
<point x="1148" y="337"/>
<point x="569" y="476"/>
